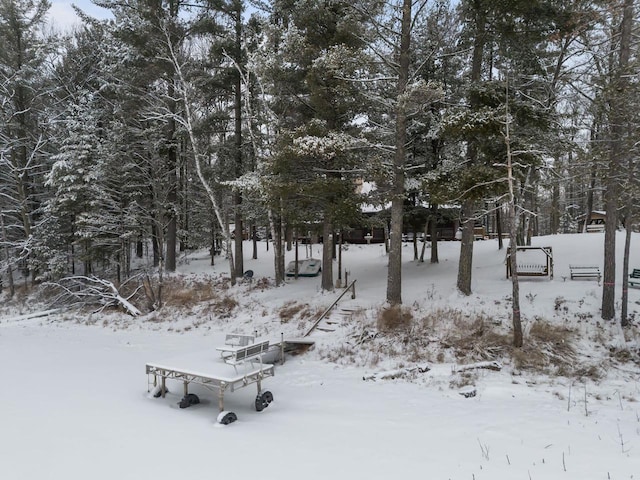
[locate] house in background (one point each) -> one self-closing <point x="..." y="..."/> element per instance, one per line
<point x="594" y="223"/>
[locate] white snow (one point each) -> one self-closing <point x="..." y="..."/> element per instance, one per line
<point x="74" y="402"/>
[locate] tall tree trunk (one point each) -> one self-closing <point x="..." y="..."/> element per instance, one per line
<point x="237" y="110"/>
<point x="172" y="200"/>
<point x="468" y="206"/>
<point x="339" y="280"/>
<point x="296" y="259"/>
<point x="171" y="240"/>
<point x="254" y="238"/>
<point x="278" y="247"/>
<point x="624" y="320"/>
<point x="327" y="255"/>
<point x="431" y="230"/>
<point x="434" y="236"/>
<point x="499" y="226"/>
<point x="554" y="222"/>
<point x="427" y="226"/>
<point x="513" y="248"/>
<point x="159" y="296"/>
<point x="515" y="285"/>
<point x="593" y="175"/>
<point x="214" y="242"/>
<point x="466" y="248"/>
<point x="239" y="236"/>
<point x="7" y="258"/>
<point x="184" y="197"/>
<point x="394" y="273"/>
<point x="228" y="241"/>
<point x="616" y="155"/>
<point x="155" y="243"/>
<point x="386" y="237"/>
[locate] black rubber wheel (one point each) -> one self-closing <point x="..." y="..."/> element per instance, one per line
<point x="158" y="394"/>
<point x="188" y="400"/>
<point x="260" y="403"/>
<point x="228" y="418"/>
<point x="267" y="396"/>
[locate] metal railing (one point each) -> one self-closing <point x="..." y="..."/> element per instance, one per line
<point x="352" y="287"/>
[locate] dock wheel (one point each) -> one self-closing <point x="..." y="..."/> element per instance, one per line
<point x="157" y="392"/>
<point x="263" y="400"/>
<point x="225" y="418"/>
<point x="261" y="403"/>
<point x="188" y="400"/>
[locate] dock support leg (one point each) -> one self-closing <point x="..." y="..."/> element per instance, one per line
<point x="221" y="398"/>
<point x="164" y="386"/>
<point x="186" y="388"/>
<point x="282" y="349"/>
<point x="154" y="383"/>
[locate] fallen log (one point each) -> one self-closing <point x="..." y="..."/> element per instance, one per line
<point x="398" y="373"/>
<point x="489" y="365"/>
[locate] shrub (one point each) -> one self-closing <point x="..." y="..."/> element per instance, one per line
<point x="395" y="318"/>
<point x="547" y="349"/>
<point x="222" y="307"/>
<point x="290" y="310"/>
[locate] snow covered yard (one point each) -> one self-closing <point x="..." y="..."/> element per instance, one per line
<point x="74" y="403"/>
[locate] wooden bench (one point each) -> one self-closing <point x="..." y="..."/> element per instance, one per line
<point x="595" y="228"/>
<point x="634" y="277"/>
<point x="585" y="271"/>
<point x="246" y="353"/>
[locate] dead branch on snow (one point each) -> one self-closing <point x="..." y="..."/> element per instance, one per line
<point x="82" y="291"/>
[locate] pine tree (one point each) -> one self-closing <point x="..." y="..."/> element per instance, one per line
<point x="86" y="215"/>
<point x="149" y="28"/>
<point x="508" y="39"/>
<point x="24" y="91"/>
<point x="317" y="49"/>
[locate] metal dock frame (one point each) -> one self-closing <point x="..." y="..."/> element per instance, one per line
<point x="211" y="383"/>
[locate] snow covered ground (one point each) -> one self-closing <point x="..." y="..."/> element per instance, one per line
<point x="74" y="402"/>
